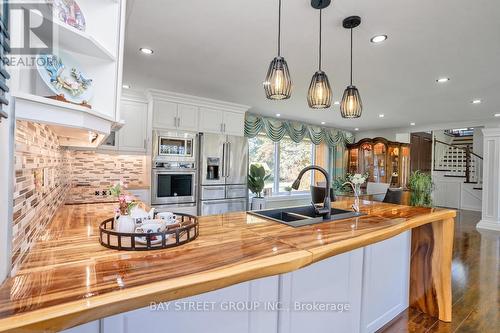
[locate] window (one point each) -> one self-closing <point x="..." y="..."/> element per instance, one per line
<point x="283" y="160"/>
<point x="261" y="150"/>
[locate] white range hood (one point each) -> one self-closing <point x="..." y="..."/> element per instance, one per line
<point x="76" y="126"/>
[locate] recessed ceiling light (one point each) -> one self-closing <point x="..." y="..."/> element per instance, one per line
<point x="356" y="129"/>
<point x="476" y="101"/>
<point x="381" y="115"/>
<point x="497" y="114"/>
<point x="378" y="39"/>
<point x="443" y="79"/>
<point x="278" y="114"/>
<point x="412" y="124"/>
<point x="126" y="86"/>
<point x="322" y="123"/>
<point x="146" y="50"/>
<point x="336" y="103"/>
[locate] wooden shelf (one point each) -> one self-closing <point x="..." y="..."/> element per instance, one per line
<point x="74" y="40"/>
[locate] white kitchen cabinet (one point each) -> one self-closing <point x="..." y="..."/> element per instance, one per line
<point x="234" y="123"/>
<point x="213" y="312"/>
<point x="211" y="120"/>
<point x="221" y="122"/>
<point x="174" y="111"/>
<point x="169" y="115"/>
<point x="187" y="117"/>
<point x="335" y="282"/>
<point x="133" y="135"/>
<point x="386" y="275"/>
<point x="164" y="114"/>
<point x="92" y="327"/>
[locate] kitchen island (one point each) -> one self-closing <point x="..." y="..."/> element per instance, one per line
<point x="69" y="279"/>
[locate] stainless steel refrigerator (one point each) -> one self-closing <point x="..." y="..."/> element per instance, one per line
<point x="223" y="174"/>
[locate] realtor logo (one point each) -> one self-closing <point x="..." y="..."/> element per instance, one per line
<point x="31" y="27"/>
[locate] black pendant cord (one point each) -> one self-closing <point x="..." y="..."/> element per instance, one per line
<point x="320" y="11"/>
<point x="351" y="56"/>
<point x="279" y="28"/>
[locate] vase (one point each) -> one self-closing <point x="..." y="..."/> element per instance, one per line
<point x="357" y="191"/>
<point x="258" y="203"/>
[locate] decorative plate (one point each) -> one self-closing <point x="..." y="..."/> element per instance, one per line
<point x="63" y="75"/>
<point x="69" y="12"/>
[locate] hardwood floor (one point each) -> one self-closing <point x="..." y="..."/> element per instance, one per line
<point x="475" y="285"/>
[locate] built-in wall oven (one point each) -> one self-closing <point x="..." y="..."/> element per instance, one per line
<point x="173" y="183"/>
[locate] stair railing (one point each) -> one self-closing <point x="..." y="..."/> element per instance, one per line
<point x="458" y="161"/>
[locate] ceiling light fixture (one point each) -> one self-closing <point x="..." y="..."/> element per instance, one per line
<point x="412" y="124"/>
<point x="126" y="86"/>
<point x="378" y="39"/>
<point x="146" y="50"/>
<point x="443" y="80"/>
<point x="476" y="101"/>
<point x="351" y="105"/>
<point x="356" y="129"/>
<point x="336" y="103"/>
<point x="319" y="95"/>
<point x="497" y="114"/>
<point x="278" y="83"/>
<point x="278" y="114"/>
<point x="381" y="115"/>
<point x="322" y="123"/>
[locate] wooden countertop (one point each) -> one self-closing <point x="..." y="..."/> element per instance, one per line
<point x="69" y="278"/>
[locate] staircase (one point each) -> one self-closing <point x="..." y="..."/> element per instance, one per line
<point x="456" y="159"/>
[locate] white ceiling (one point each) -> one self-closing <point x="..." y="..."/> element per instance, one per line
<point x="221" y="49"/>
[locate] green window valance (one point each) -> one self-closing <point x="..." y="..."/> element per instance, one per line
<point x="276" y="129"/>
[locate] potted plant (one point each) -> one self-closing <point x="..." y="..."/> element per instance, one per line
<point x="288" y="190"/>
<point x="421" y="186"/>
<point x="256" y="180"/>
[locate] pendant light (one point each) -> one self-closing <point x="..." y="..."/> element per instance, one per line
<point x="278" y="84"/>
<point x="319" y="95"/>
<point x="351" y="105"/>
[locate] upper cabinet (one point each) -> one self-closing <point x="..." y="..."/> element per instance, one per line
<point x="170" y="115"/>
<point x="195" y="114"/>
<point x="76" y="83"/>
<point x="133" y="135"/>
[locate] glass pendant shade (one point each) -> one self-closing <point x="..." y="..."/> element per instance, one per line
<point x="319" y="95"/>
<point x="278" y="84"/>
<point x="351" y="105"/>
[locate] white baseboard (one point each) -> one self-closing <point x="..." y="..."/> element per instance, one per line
<point x="488" y="225"/>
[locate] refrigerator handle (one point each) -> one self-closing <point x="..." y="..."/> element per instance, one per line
<point x="228" y="164"/>
<point x="224" y="153"/>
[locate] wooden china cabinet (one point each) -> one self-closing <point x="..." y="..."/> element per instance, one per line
<point x="385" y="161"/>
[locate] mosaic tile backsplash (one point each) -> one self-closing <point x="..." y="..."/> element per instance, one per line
<point x="47" y="175"/>
<point x="40" y="184"/>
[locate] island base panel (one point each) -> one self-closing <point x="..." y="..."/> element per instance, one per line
<point x="430" y="269"/>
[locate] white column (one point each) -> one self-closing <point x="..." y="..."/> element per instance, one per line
<point x="490" y="219"/>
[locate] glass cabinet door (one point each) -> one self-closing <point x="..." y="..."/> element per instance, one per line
<point x="366" y="161"/>
<point x="379" y="163"/>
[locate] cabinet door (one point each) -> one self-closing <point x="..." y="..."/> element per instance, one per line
<point x="188" y="117"/>
<point x="211" y="120"/>
<point x="234" y="123"/>
<point x="386" y="276"/>
<point x="164" y="115"/>
<point x="132" y="136"/>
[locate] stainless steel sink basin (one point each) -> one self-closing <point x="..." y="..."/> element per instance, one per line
<point x="302" y="215"/>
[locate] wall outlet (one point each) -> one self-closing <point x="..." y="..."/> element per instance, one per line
<point x="97" y="193"/>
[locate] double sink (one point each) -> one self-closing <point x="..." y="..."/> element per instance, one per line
<point x="302" y="215"/>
